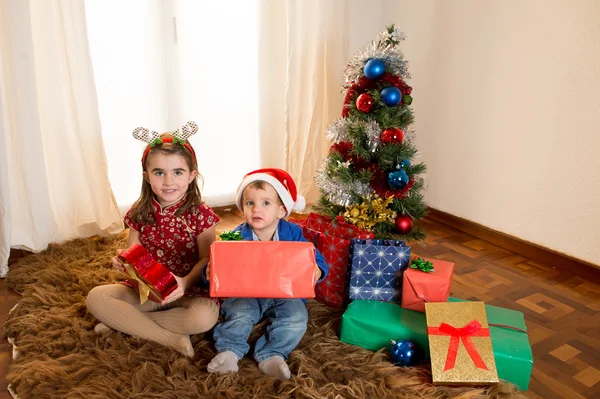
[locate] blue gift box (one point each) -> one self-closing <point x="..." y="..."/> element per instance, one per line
<point x="376" y="268"/>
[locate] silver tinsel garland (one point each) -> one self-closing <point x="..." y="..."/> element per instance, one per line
<point x="384" y="47"/>
<point x="337" y="192"/>
<point x="338" y="131"/>
<point x="373" y="133"/>
<point x="409" y="135"/>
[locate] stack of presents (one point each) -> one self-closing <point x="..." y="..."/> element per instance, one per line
<point x="390" y="296"/>
<point x="387" y="296"/>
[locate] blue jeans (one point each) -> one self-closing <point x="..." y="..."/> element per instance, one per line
<point x="287" y="325"/>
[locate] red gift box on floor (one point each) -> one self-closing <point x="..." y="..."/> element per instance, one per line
<point x="148" y="277"/>
<point x="332" y="239"/>
<point x="419" y="287"/>
<point x="262" y="269"/>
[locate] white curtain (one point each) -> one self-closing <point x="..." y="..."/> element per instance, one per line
<point x="53" y="172"/>
<point x="161" y="63"/>
<point x="317" y="55"/>
<point x="304" y="50"/>
<point x="262" y="78"/>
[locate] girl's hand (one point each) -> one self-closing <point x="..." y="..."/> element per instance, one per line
<point x="318" y="273"/>
<point x="116" y="262"/>
<point x="179" y="291"/>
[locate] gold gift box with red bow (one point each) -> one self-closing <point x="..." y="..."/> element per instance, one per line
<point x="460" y="344"/>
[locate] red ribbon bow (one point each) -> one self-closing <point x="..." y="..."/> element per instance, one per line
<point x="464" y="334"/>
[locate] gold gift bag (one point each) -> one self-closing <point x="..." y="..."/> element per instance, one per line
<point x="460" y="344"/>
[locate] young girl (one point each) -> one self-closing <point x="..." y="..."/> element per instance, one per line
<point x="171" y="222"/>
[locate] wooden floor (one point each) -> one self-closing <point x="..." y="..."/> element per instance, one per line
<point x="562" y="310"/>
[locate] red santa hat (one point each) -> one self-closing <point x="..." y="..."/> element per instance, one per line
<point x="281" y="181"/>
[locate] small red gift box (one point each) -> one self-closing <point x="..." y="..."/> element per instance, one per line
<point x="332" y="239"/>
<point x="419" y="287"/>
<point x="148" y="277"/>
<point x="262" y="269"/>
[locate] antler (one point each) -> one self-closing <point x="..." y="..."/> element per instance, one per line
<point x="143" y="134"/>
<point x="186" y="131"/>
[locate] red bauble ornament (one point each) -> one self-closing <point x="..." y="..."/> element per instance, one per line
<point x="404" y="224"/>
<point x="407" y="90"/>
<point x="392" y="135"/>
<point x="364" y="103"/>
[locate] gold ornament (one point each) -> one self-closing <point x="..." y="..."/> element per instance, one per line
<point x="370" y="212"/>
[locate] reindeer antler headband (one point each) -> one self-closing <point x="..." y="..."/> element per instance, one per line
<point x="153" y="139"/>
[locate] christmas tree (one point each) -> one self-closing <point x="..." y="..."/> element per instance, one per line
<point x="368" y="177"/>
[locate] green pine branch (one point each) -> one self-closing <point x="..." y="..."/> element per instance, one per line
<point x="387" y="231"/>
<point x="413" y="204"/>
<point x="400" y="116"/>
<point x="390" y="155"/>
<point x="416" y="169"/>
<point x="327" y="208"/>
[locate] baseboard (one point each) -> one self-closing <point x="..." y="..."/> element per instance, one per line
<point x="16" y="254"/>
<point x="524" y="248"/>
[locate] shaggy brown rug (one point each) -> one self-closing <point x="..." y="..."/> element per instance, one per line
<point x="60" y="356"/>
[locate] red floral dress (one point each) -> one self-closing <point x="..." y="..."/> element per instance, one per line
<point x="172" y="239"/>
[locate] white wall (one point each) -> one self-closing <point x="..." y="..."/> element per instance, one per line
<point x="507" y="106"/>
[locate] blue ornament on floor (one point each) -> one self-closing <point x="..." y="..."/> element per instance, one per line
<point x="405" y="353"/>
<point x="405" y="163"/>
<point x="374" y="68"/>
<point x="391" y="96"/>
<point x="397" y="179"/>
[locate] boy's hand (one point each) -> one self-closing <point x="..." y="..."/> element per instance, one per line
<point x="116" y="262"/>
<point x="318" y="273"/>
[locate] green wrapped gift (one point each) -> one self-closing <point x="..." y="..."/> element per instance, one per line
<point x="512" y="351"/>
<point x="372" y="324"/>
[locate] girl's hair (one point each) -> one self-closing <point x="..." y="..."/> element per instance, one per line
<point x="142" y="210"/>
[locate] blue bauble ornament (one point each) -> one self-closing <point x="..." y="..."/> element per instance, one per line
<point x="374" y="68"/>
<point x="405" y="353"/>
<point x="391" y="96"/>
<point x="397" y="179"/>
<point x="405" y="163"/>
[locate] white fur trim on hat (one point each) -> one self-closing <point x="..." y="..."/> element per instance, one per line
<point x="284" y="194"/>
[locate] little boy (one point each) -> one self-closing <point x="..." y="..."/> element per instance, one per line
<point x="265" y="196"/>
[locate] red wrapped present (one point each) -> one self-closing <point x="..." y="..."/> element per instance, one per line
<point x="310" y="235"/>
<point x="335" y="228"/>
<point x="262" y="269"/>
<point x="333" y="289"/>
<point x="148" y="277"/>
<point x="419" y="287"/>
<point x="333" y="241"/>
